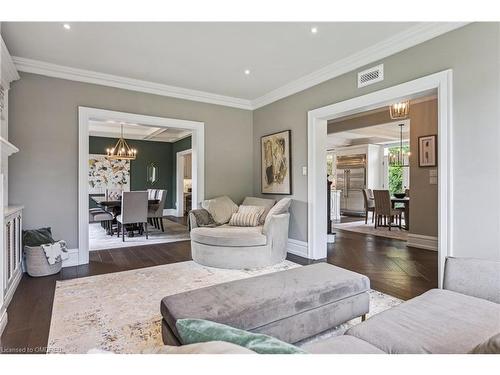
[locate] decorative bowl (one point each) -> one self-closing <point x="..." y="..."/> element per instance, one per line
<point x="400" y="195"/>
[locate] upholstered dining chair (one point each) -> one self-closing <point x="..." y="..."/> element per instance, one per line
<point x="134" y="211"/>
<point x="369" y="204"/>
<point x="113" y="194"/>
<point x="155" y="212"/>
<point x="384" y="210"/>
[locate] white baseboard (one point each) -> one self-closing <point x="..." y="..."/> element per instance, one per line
<point x="171" y="212"/>
<point x="422" y="242"/>
<point x="3" y="320"/>
<point x="72" y="260"/>
<point x="297" y="247"/>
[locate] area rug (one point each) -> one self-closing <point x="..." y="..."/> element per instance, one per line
<point x="361" y="227"/>
<point x="99" y="240"/>
<point x="120" y="312"/>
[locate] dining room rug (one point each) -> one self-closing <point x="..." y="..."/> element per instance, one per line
<point x="120" y="312"/>
<point x="360" y="227"/>
<point x="100" y="240"/>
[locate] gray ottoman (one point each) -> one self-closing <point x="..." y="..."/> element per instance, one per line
<point x="290" y="305"/>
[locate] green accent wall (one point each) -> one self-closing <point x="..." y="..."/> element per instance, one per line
<point x="161" y="153"/>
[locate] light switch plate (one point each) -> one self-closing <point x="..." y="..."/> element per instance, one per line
<point x="433" y="180"/>
<point x="433" y="172"/>
<point x="304" y="171"/>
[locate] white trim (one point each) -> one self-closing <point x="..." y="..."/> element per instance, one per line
<point x="73" y="258"/>
<point x="170" y="212"/>
<point x="297" y="247"/>
<point x="422" y="242"/>
<point x="317" y="120"/>
<point x="89" y="76"/>
<point x="8" y="69"/>
<point x="179" y="181"/>
<point x="7" y="147"/>
<point x="85" y="114"/>
<point x="3" y="319"/>
<point x="12" y="289"/>
<point x="411" y="37"/>
<point x="399" y="42"/>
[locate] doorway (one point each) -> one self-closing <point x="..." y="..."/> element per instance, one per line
<point x="85" y="116"/>
<point x="317" y="130"/>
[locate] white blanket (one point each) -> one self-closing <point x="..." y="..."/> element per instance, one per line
<point x="55" y="252"/>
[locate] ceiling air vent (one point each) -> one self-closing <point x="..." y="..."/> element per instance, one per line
<point x="372" y="75"/>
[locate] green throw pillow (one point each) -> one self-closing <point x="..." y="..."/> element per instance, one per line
<point x="194" y="331"/>
<point x="37" y="237"/>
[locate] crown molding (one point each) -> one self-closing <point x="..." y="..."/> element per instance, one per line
<point x="88" y="76"/>
<point x="415" y="35"/>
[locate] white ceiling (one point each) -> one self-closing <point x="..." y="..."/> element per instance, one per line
<point x="136" y="131"/>
<point x="210" y="57"/>
<point x="377" y="134"/>
<point x="203" y="56"/>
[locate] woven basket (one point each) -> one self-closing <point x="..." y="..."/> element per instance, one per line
<point x="37" y="264"/>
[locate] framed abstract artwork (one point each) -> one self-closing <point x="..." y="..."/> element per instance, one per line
<point x="276" y="163"/>
<point x="427" y="151"/>
<point x="105" y="174"/>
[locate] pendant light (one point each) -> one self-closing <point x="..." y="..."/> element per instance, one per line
<point x="122" y="150"/>
<point x="400" y="111"/>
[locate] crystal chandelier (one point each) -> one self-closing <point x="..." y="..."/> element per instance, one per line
<point x="401" y="158"/>
<point x="122" y="150"/>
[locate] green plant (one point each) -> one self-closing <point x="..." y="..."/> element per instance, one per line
<point x="396" y="173"/>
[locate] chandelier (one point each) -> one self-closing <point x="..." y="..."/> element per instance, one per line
<point x="400" y="158"/>
<point x="400" y="111"/>
<point x="122" y="150"/>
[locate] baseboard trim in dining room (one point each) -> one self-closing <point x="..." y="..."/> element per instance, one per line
<point x="422" y="242"/>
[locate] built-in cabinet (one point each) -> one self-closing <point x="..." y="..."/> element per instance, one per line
<point x="11" y="219"/>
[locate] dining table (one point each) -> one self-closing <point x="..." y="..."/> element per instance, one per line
<point x="114" y="206"/>
<point x="406" y="202"/>
<point x="101" y="200"/>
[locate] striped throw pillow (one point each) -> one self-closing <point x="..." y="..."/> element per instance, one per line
<point x="247" y="216"/>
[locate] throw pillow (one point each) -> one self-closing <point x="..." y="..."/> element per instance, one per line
<point x="221" y="208"/>
<point x="490" y="346"/>
<point x="261" y="202"/>
<point x="37" y="237"/>
<point x="281" y="207"/>
<point x="247" y="216"/>
<point x="198" y="330"/>
<point x="211" y="347"/>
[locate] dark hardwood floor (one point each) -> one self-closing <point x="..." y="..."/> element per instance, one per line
<point x="391" y="266"/>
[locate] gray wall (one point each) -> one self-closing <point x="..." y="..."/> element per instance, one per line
<point x="473" y="54"/>
<point x="43" y="123"/>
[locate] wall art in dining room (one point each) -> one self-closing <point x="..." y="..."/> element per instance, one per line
<point x="108" y="174"/>
<point x="275" y="163"/>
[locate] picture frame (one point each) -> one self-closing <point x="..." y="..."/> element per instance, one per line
<point x="276" y="172"/>
<point x="427" y="151"/>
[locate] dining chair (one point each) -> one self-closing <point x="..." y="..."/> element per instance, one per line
<point x="134" y="211"/>
<point x="369" y="204"/>
<point x="113" y="194"/>
<point x="384" y="210"/>
<point x="101" y="216"/>
<point x="155" y="211"/>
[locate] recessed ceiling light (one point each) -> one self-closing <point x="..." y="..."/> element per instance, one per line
<point x="247" y="72"/>
<point x="67" y="26"/>
<point x="314" y="30"/>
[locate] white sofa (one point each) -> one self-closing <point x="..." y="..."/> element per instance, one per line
<point x="233" y="247"/>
